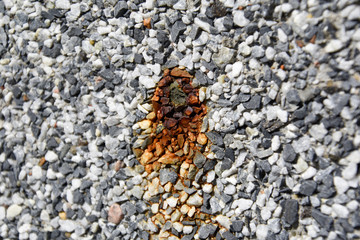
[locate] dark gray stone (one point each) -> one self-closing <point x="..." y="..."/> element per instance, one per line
<point x="241" y="98"/>
<point x="308" y="187"/>
<point x="74" y="32"/>
<point x="332" y="122"/>
<point x="229" y="236"/>
<point x="107" y="74"/>
<point x="129" y="208"/>
<point x="236" y="226"/>
<point x="201" y="78"/>
<point x="291" y="209"/>
<point x="215" y="138"/>
<point x="35" y="25"/>
<point x="71" y="79"/>
<point x="70" y="213"/>
<point x="138" y="58"/>
<point x="355" y="219"/>
<point x="78" y="197"/>
<point x="226" y="164"/>
<point x="79" y="172"/>
<point x="300" y="113"/>
<point x="344" y="223"/>
<point x="293" y="97"/>
<point x="17" y="92"/>
<point x="159" y="58"/>
<point x="92" y="218"/>
<point x="194" y="32"/>
<point x="168" y="175"/>
<point x="229" y="154"/>
<point x="254" y="103"/>
<point x="199" y="175"/>
<point x="139" y="35"/>
<point x="163" y="38"/>
<point x="289" y="153"/>
<point x="228" y="22"/>
<point x="209" y="165"/>
<point x="52" y="143"/>
<point x="206" y="230"/>
<point x="3" y="37"/>
<point x="141" y="206"/>
<point x="65" y="169"/>
<point x="199" y="159"/>
<point x="324" y="220"/>
<point x="53" y="52"/>
<point x="178" y="28"/>
<point x="2" y="7"/>
<point x="219" y="152"/>
<point x="326" y="192"/>
<point x="35" y="130"/>
<point x="120" y="9"/>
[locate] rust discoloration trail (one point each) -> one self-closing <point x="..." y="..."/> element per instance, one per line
<point x="172" y="138"/>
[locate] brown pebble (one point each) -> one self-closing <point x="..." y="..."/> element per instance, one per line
<point x="159" y="149"/>
<point x="42" y="161"/>
<point x="115" y="214"/>
<point x="177" y="72"/>
<point x="147" y="155"/>
<point x="119" y="164"/>
<point x="147" y="23"/>
<point x="202" y="139"/>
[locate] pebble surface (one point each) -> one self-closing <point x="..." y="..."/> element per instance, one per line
<point x="281" y="82"/>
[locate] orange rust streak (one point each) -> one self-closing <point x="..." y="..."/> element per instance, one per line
<point x="175" y="132"/>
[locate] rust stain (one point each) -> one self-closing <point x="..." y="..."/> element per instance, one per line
<point x="173" y="138"/>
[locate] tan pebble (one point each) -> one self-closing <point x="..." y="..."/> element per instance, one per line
<point x="183" y="173"/>
<point x="149" y="168"/>
<point x="159" y="150"/>
<point x="146" y="157"/>
<point x="186" y="147"/>
<point x="175" y="216"/>
<point x="159" y="218"/>
<point x="191" y="136"/>
<point x="145" y="124"/>
<point x="202" y="94"/>
<point x="180" y="139"/>
<point x="62" y="215"/>
<point x="195" y="200"/>
<point x="184" y="209"/>
<point x="151" y="116"/>
<point x="191" y="212"/>
<point x="156" y="166"/>
<point x="115" y="214"/>
<point x="154" y="187"/>
<point x="169" y="158"/>
<point x="68" y="234"/>
<point x="164" y="235"/>
<point x="185" y="165"/>
<point x="202" y="139"/>
<point x="183" y="196"/>
<point x="168" y="186"/>
<point x="178" y="226"/>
